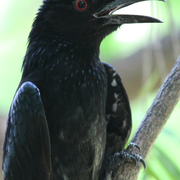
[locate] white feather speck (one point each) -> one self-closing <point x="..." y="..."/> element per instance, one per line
<point x="114" y="83"/>
<point x="114" y="74"/>
<point x="61" y="135"/>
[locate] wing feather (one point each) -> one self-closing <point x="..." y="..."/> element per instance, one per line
<point x="118" y="112"/>
<point x="118" y="116"/>
<point x="26" y="148"/>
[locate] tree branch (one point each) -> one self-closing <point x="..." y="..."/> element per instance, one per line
<point x="153" y="122"/>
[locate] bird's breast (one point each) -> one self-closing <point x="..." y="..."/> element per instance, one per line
<point x="75" y="101"/>
<point x="76" y="104"/>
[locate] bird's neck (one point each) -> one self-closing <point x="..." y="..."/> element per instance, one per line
<point x="55" y="52"/>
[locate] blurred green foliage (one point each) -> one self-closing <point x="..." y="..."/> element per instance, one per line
<point x="16" y="18"/>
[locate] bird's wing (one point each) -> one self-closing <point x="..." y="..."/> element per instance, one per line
<point x="26" y="148"/>
<point x="118" y="113"/>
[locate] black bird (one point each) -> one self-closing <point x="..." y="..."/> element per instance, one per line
<point x="70" y="112"/>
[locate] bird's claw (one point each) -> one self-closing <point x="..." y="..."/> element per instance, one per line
<point x="125" y="156"/>
<point x="143" y="163"/>
<point x="132" y="146"/>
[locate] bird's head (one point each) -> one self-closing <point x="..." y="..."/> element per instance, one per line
<point x="85" y="19"/>
<point x="74" y="28"/>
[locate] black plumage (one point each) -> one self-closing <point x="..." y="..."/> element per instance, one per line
<point x="70" y="112"/>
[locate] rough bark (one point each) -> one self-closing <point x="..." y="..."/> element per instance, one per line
<point x="153" y="122"/>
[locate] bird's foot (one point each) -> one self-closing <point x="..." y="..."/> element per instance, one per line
<point x="125" y="156"/>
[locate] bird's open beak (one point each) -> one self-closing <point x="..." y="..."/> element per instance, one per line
<point x="107" y="13"/>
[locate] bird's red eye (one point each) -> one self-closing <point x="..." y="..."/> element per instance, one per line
<point x="81" y="5"/>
